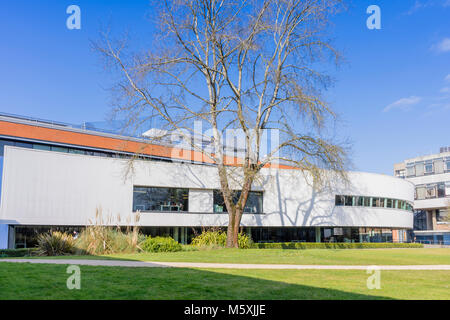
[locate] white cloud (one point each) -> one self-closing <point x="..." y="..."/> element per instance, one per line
<point x="447" y="78"/>
<point x="417" y="6"/>
<point x="422" y="4"/>
<point x="445" y="90"/>
<point x="403" y="103"/>
<point x="443" y="46"/>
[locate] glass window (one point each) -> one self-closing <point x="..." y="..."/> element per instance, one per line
<point x="447" y="188"/>
<point x="409" y="207"/>
<point x="339" y="201"/>
<point x="403" y="205"/>
<point x="419" y="169"/>
<point x="447" y="164"/>
<point x="254" y="201"/>
<point x="390" y="203"/>
<point x="438" y="166"/>
<point x="441" y="190"/>
<point x="60" y="149"/>
<point x="360" y="201"/>
<point x="431" y="191"/>
<point x="410" y="171"/>
<point x="76" y="151"/>
<point x="442" y="215"/>
<point x="160" y="199"/>
<point x="348" y="201"/>
<point x="421" y="192"/>
<point x="367" y="201"/>
<point x="374" y="202"/>
<point x="41" y="147"/>
<point x="23" y="144"/>
<point x="428" y="167"/>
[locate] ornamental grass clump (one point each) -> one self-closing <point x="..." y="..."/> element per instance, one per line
<point x="101" y="238"/>
<point x="55" y="244"/>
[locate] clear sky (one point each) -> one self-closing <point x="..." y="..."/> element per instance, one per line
<point x="392" y="92"/>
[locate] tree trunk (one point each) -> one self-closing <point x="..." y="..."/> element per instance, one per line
<point x="233" y="229"/>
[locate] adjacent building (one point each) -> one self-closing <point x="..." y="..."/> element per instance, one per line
<point x="431" y="178"/>
<point x="56" y="176"/>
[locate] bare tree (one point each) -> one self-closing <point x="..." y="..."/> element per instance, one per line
<point x="244" y="65"/>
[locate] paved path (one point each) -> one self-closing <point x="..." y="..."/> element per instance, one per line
<point x="123" y="263"/>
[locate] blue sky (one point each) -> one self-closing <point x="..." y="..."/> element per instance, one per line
<point x="392" y="93"/>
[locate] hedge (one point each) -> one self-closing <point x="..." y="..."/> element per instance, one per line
<point x="16" y="252"/>
<point x="160" y="244"/>
<point x="334" y="245"/>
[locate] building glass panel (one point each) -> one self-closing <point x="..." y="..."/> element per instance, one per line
<point x="254" y="202"/>
<point x="160" y="199"/>
<point x="419" y="169"/>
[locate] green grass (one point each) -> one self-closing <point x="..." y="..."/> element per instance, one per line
<point x="38" y="281"/>
<point x="310" y="256"/>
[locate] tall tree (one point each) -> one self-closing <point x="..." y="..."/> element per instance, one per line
<point x="244" y="65"/>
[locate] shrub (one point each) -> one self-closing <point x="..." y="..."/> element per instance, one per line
<point x="334" y="245"/>
<point x="244" y="241"/>
<point x="23" y="252"/>
<point x="210" y="238"/>
<point x="160" y="244"/>
<point x="55" y="244"/>
<point x="218" y="238"/>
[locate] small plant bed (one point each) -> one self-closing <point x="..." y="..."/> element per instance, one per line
<point x="13" y="253"/>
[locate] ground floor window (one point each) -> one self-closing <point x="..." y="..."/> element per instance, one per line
<point x="26" y="236"/>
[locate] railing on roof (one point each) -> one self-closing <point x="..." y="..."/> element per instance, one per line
<point x="84" y="126"/>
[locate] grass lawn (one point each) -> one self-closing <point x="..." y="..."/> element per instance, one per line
<point x="309" y="256"/>
<point x="37" y="281"/>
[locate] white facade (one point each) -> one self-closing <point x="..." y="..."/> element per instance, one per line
<point x="51" y="188"/>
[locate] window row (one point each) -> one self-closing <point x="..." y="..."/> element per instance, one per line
<point x="47" y="147"/>
<point x="433" y="166"/>
<point x="376" y="202"/>
<point x="177" y="200"/>
<point x="432" y="191"/>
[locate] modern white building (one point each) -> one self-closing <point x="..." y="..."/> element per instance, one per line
<point x="56" y="176"/>
<point x="431" y="177"/>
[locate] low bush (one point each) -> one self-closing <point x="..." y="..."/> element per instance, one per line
<point x="55" y="244"/>
<point x="334" y="245"/>
<point x="244" y="241"/>
<point x="210" y="238"/>
<point x="160" y="244"/>
<point x="218" y="238"/>
<point x="17" y="252"/>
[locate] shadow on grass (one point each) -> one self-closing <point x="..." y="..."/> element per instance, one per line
<point x="43" y="281"/>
